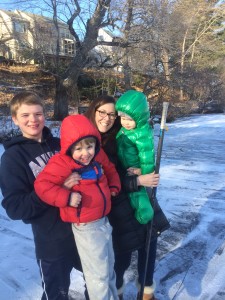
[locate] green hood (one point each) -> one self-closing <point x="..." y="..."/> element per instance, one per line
<point x="135" y="105"/>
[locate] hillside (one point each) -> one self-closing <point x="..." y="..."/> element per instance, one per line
<point x="28" y="77"/>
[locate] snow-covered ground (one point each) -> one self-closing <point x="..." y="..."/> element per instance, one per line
<point x="191" y="256"/>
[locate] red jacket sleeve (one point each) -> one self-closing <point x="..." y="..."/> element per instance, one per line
<point x="48" y="184"/>
<point x="110" y="172"/>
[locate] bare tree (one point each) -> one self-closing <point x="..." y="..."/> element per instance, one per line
<point x="171" y="38"/>
<point x="167" y="42"/>
<point x="84" y="19"/>
<point x="66" y="84"/>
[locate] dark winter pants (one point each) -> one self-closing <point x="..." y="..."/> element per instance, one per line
<point x="55" y="275"/>
<point x="122" y="263"/>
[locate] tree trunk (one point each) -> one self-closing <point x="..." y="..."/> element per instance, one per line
<point x="74" y="97"/>
<point x="165" y="62"/>
<point x="61" y="101"/>
<point x="127" y="73"/>
<point x="181" y="97"/>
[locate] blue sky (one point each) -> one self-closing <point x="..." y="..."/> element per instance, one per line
<point x="21" y="5"/>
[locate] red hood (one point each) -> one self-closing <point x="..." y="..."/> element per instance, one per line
<point x="75" y="128"/>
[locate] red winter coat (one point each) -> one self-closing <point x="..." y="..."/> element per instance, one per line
<point x="95" y="187"/>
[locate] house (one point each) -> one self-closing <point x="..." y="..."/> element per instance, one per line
<point x="104" y="36"/>
<point x="31" y="38"/>
<point x="110" y="55"/>
<point x="26" y="37"/>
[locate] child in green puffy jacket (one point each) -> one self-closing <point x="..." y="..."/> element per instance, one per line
<point x="135" y="143"/>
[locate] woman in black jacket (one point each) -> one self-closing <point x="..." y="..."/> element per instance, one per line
<point x="128" y="234"/>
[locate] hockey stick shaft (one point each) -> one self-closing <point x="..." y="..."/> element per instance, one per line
<point x="160" y="143"/>
<point x="153" y="193"/>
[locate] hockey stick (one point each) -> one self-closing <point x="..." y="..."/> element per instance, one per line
<point x="153" y="193"/>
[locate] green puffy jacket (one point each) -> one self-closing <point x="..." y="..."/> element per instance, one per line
<point x="136" y="147"/>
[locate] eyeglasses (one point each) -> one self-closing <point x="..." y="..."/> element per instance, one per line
<point x="103" y="114"/>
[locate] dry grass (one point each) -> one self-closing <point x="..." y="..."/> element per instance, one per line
<point x="25" y="77"/>
<point x="29" y="77"/>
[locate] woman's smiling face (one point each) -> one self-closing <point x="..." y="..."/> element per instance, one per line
<point x="105" y="117"/>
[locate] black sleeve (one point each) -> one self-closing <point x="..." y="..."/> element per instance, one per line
<point x="129" y="183"/>
<point x="19" y="198"/>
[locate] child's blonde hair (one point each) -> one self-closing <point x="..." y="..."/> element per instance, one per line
<point x="26" y="97"/>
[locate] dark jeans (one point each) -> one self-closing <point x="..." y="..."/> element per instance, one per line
<point x="122" y="263"/>
<point x="55" y="275"/>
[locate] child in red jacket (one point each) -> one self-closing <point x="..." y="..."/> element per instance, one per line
<point x="87" y="204"/>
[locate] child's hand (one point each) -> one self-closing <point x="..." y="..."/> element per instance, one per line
<point x="148" y="180"/>
<point x="133" y="171"/>
<point x="113" y="194"/>
<point x="72" y="180"/>
<point x="75" y="199"/>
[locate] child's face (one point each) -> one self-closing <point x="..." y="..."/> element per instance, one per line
<point x="127" y="122"/>
<point x="84" y="153"/>
<point x="31" y="121"/>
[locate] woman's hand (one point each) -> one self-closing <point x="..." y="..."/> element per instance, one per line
<point x="133" y="171"/>
<point x="148" y="180"/>
<point x="72" y="180"/>
<point x="75" y="199"/>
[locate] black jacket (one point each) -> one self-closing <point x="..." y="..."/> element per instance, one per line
<point x="21" y="162"/>
<point x="128" y="234"/>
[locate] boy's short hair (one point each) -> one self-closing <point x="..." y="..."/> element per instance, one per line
<point x="26" y="97"/>
<point x="84" y="141"/>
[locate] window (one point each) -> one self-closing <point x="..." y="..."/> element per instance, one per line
<point x="19" y="27"/>
<point x="23" y="45"/>
<point x="65" y="33"/>
<point x="68" y="47"/>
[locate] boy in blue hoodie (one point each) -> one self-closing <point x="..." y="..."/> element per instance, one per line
<point x="24" y="157"/>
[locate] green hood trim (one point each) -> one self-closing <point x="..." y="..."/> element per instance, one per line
<point x="134" y="104"/>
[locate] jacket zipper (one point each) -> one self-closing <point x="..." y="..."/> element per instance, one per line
<point x="103" y="195"/>
<point x="104" y="199"/>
